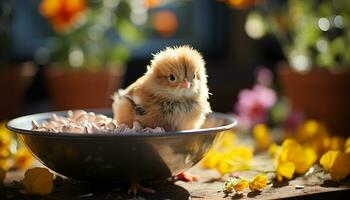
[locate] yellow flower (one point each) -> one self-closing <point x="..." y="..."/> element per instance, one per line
<point x="37" y="181"/>
<point x="2" y="175"/>
<point x="235" y="184"/>
<point x="225" y="157"/>
<point x="210" y="160"/>
<point x="234" y="159"/>
<point x="4" y="164"/>
<point x="333" y="143"/>
<point x="4" y="153"/>
<point x="347" y="145"/>
<point x="5" y="136"/>
<point x="226" y="139"/>
<point x="336" y="163"/>
<point x="241" y="185"/>
<point x="273" y="149"/>
<point x="302" y="157"/>
<point x="242" y="153"/>
<point x="308" y="129"/>
<point x="23" y="159"/>
<point x="262" y="137"/>
<point x="259" y="182"/>
<point x="285" y="170"/>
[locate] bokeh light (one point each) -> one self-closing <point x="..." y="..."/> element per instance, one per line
<point x="165" y="22"/>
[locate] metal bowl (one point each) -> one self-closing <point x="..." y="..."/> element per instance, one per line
<point x="110" y="157"/>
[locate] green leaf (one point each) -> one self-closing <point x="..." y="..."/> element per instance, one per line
<point x="128" y="32"/>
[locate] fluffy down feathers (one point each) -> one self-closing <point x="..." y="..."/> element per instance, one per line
<point x="172" y="94"/>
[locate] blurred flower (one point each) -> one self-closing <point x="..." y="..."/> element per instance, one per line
<point x="23" y="159"/>
<point x="253" y="105"/>
<point x="264" y="76"/>
<point x="291" y="151"/>
<point x="226" y="140"/>
<point x="229" y="160"/>
<point x="151" y="3"/>
<point x="37" y="181"/>
<point x="5" y="136"/>
<point x="284" y="170"/>
<point x="262" y="137"/>
<point x="4" y="153"/>
<point x="259" y="182"/>
<point x="336" y="163"/>
<point x="273" y="149"/>
<point x="4" y="164"/>
<point x="334" y="143"/>
<point x="227" y="157"/>
<point x="242" y="3"/>
<point x="314" y="134"/>
<point x="347" y="145"/>
<point x="234" y="184"/>
<point x="165" y="22"/>
<point x="292" y="157"/>
<point x="62" y="14"/>
<point x="5" y="143"/>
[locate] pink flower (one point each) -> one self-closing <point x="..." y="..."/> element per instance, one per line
<point x="253" y="105"/>
<point x="264" y="76"/>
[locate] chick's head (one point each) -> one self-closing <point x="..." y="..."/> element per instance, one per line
<point x="177" y="72"/>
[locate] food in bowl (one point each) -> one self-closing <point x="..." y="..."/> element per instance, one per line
<point x="82" y="122"/>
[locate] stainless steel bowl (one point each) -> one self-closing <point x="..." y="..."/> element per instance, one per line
<point x="110" y="157"/>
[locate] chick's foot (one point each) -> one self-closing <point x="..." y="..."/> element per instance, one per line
<point x="187" y="177"/>
<point x="135" y="187"/>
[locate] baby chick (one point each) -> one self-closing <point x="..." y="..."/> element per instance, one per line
<point x="172" y="94"/>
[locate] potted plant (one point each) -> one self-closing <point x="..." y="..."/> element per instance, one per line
<point x="87" y="51"/>
<point x="15" y="77"/>
<point x="315" y="38"/>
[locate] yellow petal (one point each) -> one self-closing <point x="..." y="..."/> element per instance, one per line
<point x="241" y="185"/>
<point x="285" y="170"/>
<point x="37" y="181"/>
<point x="262" y="137"/>
<point x="347" y="143"/>
<point x="235" y="184"/>
<point x="5" y="136"/>
<point x="4" y="164"/>
<point x="291" y="152"/>
<point x="226" y="139"/>
<point x="341" y="168"/>
<point x="242" y="153"/>
<point x="273" y="149"/>
<point x="212" y="159"/>
<point x="336" y="163"/>
<point x="259" y="182"/>
<point x="334" y="143"/>
<point x="328" y="159"/>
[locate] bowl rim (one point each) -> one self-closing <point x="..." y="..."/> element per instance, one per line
<point x="11" y="126"/>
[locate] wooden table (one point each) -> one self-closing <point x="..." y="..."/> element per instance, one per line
<point x="208" y="187"/>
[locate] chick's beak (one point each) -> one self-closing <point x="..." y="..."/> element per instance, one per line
<point x="185" y="84"/>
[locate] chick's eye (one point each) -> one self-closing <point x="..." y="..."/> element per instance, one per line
<point x="172" y="77"/>
<point x="194" y="76"/>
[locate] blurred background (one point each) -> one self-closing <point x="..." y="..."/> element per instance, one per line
<point x="291" y="56"/>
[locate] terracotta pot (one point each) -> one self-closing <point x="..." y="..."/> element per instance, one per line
<point x="82" y="89"/>
<point x="321" y="95"/>
<point x="14" y="81"/>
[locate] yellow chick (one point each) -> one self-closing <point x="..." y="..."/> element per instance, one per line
<point x="172" y="94"/>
